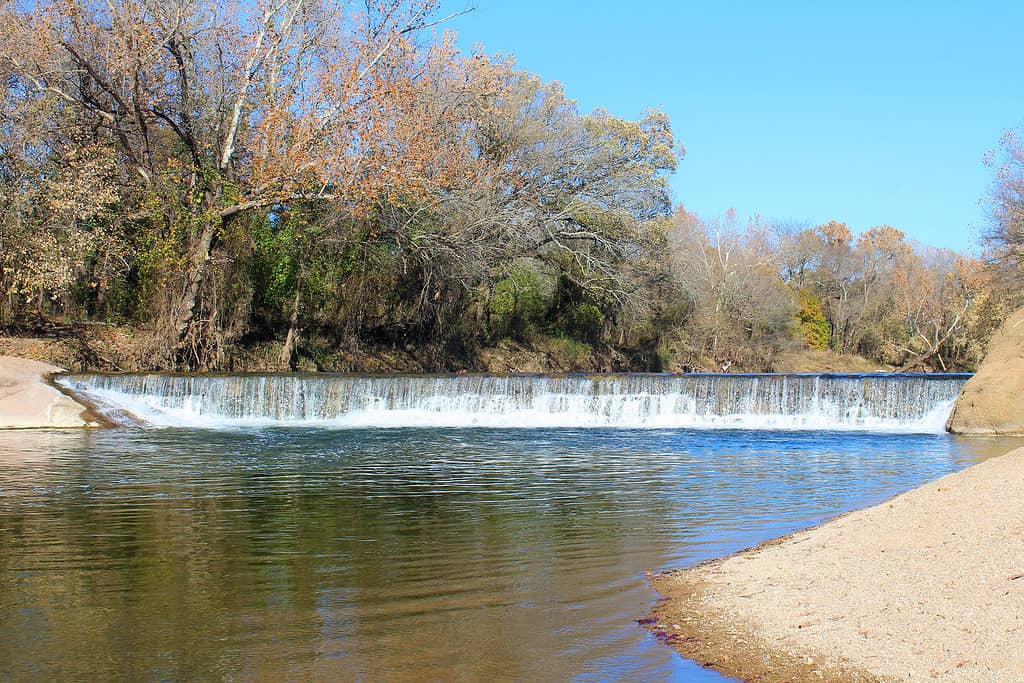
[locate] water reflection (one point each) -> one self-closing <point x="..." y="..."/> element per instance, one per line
<point x="398" y="554"/>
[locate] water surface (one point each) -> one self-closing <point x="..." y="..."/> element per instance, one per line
<point x="396" y="555"/>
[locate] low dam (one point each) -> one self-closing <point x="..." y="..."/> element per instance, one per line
<point x="912" y="403"/>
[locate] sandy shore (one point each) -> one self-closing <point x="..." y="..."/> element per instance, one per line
<point x="926" y="586"/>
<point x="27" y="400"/>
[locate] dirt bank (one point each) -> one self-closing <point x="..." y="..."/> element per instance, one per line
<point x="28" y="400"/>
<point x="927" y="586"/>
<point x="112" y="348"/>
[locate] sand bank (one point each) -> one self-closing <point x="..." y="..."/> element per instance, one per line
<point x="926" y="586"/>
<point x="28" y="400"/>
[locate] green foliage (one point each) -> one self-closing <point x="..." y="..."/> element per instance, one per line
<point x="583" y="320"/>
<point x="813" y="325"/>
<point x="574" y="351"/>
<point x="274" y="267"/>
<point x="517" y="303"/>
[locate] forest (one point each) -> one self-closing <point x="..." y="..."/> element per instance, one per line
<point x="318" y="185"/>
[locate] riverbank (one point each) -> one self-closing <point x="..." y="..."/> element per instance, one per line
<point x="28" y="400"/>
<point x="123" y="348"/>
<point x="926" y="586"/>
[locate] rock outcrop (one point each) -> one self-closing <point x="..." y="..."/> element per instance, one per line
<point x="992" y="402"/>
<point x="27" y="400"/>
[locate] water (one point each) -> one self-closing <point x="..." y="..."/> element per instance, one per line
<point x="398" y="554"/>
<point x="904" y="403"/>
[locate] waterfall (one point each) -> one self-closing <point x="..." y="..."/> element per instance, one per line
<point x="917" y="403"/>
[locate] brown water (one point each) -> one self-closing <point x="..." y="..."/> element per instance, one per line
<point x="396" y="555"/>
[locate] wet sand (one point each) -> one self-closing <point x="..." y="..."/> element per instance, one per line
<point x="28" y="400"/>
<point x="926" y="586"/>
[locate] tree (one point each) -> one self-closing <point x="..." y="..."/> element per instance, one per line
<point x="1006" y="200"/>
<point x="217" y="109"/>
<point x="56" y="215"/>
<point x="581" y="198"/>
<point x="528" y="216"/>
<point x="933" y="293"/>
<point x="587" y="191"/>
<point x="813" y="325"/>
<point x="731" y="273"/>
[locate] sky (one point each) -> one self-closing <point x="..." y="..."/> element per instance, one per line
<point x="865" y="112"/>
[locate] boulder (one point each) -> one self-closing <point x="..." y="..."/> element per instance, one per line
<point x="992" y="402"/>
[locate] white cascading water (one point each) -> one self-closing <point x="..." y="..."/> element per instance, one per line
<point x="887" y="403"/>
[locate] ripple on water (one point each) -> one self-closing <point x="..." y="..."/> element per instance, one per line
<point x="404" y="554"/>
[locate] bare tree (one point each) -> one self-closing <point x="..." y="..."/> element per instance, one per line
<point x="1006" y="200"/>
<point x="732" y="274"/>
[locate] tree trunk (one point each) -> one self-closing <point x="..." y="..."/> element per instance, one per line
<point x="185" y="314"/>
<point x="290" y="351"/>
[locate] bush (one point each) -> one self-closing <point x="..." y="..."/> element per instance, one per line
<point x="814" y="328"/>
<point x="582" y="321"/>
<point x="516" y="304"/>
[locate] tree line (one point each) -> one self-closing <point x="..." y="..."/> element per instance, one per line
<point x="318" y="175"/>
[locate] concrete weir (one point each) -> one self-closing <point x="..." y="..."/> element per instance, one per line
<point x="905" y="403"/>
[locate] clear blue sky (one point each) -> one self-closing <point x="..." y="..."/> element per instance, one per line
<point x="866" y="112"/>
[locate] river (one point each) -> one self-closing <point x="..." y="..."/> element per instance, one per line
<point x="279" y="552"/>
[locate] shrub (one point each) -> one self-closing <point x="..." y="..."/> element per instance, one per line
<point x="814" y="328"/>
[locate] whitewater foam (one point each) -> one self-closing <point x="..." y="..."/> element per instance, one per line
<point x="912" y="403"/>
